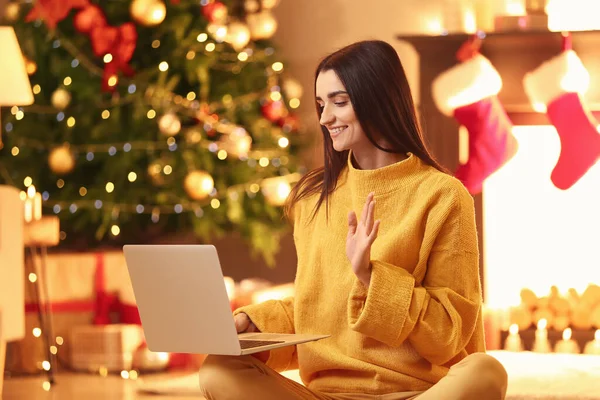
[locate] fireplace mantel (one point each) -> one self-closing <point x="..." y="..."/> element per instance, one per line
<point x="513" y="54"/>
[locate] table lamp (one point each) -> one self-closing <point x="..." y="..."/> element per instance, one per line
<point x="15" y="89"/>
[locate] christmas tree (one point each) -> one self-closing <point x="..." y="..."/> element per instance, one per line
<point x="154" y="117"/>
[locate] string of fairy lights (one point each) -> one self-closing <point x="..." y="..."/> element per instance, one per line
<point x="234" y="140"/>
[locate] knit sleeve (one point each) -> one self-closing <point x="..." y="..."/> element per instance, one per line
<point x="274" y="316"/>
<point x="438" y="317"/>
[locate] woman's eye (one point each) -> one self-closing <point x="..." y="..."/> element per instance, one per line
<point x="341" y="103"/>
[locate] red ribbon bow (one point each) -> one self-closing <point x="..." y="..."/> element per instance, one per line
<point x="120" y="42"/>
<point x="53" y="11"/>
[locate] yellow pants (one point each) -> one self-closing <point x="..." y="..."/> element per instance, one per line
<point x="477" y="377"/>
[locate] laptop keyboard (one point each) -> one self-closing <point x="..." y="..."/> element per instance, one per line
<point x="249" y="344"/>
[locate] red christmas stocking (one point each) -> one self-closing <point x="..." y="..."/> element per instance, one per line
<point x="468" y="92"/>
<point x="556" y="87"/>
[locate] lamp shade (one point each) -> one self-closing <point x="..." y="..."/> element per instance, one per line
<point x="15" y="89"/>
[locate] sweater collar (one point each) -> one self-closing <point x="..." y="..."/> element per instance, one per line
<point x="382" y="180"/>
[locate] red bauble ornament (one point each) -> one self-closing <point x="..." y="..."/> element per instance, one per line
<point x="290" y="123"/>
<point x="273" y="110"/>
<point x="88" y="19"/>
<point x="215" y="11"/>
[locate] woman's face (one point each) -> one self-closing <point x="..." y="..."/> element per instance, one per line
<point x="337" y="113"/>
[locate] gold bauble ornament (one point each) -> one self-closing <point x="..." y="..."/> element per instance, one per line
<point x="198" y="184"/>
<point x="61" y="99"/>
<point x="169" y="124"/>
<point x="238" y="35"/>
<point x="237" y="142"/>
<point x="262" y="25"/>
<point x="12" y="11"/>
<point x="148" y="12"/>
<point x="267" y="4"/>
<point x="61" y="160"/>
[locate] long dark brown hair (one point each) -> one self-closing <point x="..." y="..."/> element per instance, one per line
<point x="374" y="78"/>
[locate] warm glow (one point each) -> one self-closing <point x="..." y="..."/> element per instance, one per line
<point x="37" y="332"/>
<point x="32" y="277"/>
<point x="67" y="81"/>
<point x="163" y="66"/>
<point x="105" y="114"/>
<point x="210" y="47"/>
<point x="542" y="323"/>
<point x="277" y="66"/>
<point x="112" y="81"/>
<point x="230" y="287"/>
<point x="243" y="56"/>
<point x="469" y="21"/>
<point x="115" y="230"/>
<point x="532" y="230"/>
<point x="53" y="349"/>
<point x="515" y="7"/>
<point x="202" y="37"/>
<point x="273" y="293"/>
<point x="514" y="329"/>
<point x="275" y="96"/>
<point x="294" y="103"/>
<point x="108" y="58"/>
<point x="572" y="15"/>
<point x="125" y="374"/>
<point x="46" y="386"/>
<point x="110" y="187"/>
<point x="567" y="334"/>
<point x="283" y="142"/>
<point x="27" y="181"/>
<point x="46" y="365"/>
<point x="222" y="154"/>
<point x="59" y="340"/>
<point x="215" y="203"/>
<point x="132" y="176"/>
<point x="434" y="26"/>
<point x="263" y="162"/>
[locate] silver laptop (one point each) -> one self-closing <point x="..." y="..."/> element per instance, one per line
<point x="183" y="304"/>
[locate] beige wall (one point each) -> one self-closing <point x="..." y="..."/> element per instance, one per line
<point x="310" y="29"/>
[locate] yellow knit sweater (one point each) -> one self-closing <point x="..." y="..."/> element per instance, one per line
<point x="422" y="310"/>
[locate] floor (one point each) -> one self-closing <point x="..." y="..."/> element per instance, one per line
<point x="75" y="386"/>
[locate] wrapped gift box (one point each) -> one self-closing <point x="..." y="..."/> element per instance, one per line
<point x="94" y="347"/>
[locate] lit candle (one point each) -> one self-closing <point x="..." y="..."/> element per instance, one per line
<point x="593" y="346"/>
<point x="37" y="206"/>
<point x="28" y="211"/>
<point x="567" y="345"/>
<point x="541" y="344"/>
<point x="513" y="341"/>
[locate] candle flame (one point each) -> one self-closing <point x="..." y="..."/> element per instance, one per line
<point x="514" y="329"/>
<point x="567" y="334"/>
<point x="597" y="335"/>
<point x="542" y="323"/>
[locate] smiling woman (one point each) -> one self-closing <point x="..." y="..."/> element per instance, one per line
<point x="396" y="286"/>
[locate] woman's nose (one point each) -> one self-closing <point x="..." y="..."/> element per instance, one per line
<point x="326" y="116"/>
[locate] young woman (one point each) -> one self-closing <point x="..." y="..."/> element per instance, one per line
<point x="387" y="260"/>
